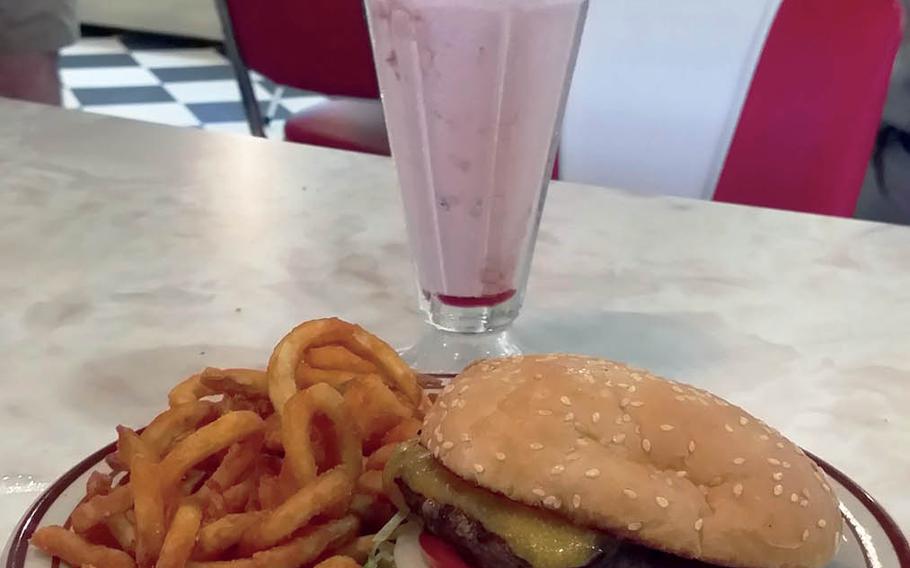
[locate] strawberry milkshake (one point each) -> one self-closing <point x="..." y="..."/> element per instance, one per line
<point x="473" y="93"/>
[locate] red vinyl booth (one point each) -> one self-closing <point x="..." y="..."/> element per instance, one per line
<point x="808" y="125"/>
<point x="314" y="45"/>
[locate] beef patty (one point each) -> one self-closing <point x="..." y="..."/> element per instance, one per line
<point x="485" y="549"/>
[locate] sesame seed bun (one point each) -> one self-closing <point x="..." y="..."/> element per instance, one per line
<point x="655" y="461"/>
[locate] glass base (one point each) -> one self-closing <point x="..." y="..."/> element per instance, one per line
<point x="439" y="351"/>
<point x="467" y="318"/>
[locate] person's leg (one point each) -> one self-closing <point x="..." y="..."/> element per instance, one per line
<point x="31" y="77"/>
<point x="31" y="34"/>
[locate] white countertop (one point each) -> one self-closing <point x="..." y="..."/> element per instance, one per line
<point x="133" y="254"/>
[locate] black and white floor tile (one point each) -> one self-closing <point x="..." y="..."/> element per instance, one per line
<point x="164" y="80"/>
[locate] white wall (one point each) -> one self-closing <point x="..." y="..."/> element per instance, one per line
<point x="192" y="18"/>
<point x="658" y="90"/>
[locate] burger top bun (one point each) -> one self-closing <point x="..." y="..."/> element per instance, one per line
<point x="655" y="461"/>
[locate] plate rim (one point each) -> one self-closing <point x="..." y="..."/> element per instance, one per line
<point x="19" y="539"/>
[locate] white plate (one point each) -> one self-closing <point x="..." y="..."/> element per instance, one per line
<point x="872" y="541"/>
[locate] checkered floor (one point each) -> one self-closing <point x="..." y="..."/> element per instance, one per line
<point x="161" y="80"/>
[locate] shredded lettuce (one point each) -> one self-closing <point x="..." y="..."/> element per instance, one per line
<point x="382" y="555"/>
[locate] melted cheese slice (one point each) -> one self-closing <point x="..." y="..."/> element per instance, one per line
<point x="535" y="535"/>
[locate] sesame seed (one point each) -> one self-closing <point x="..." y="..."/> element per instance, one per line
<point x="763" y="437"/>
<point x="552" y="502"/>
<point x="807" y="494"/>
<point x="691" y="446"/>
<point x="582" y="442"/>
<point x="780" y="445"/>
<point x="438" y="436"/>
<point x="773" y="461"/>
<point x="447" y="445"/>
<point x="677" y="389"/>
<point x="557" y="469"/>
<point x="728" y="428"/>
<point x="786" y="464"/>
<point x="630" y="494"/>
<point x="478" y="468"/>
<point x="666" y="427"/>
<point x="460" y="402"/>
<point x="565" y="400"/>
<point x="636" y="377"/>
<point x="804" y="503"/>
<point x="538" y="491"/>
<point x="682" y="473"/>
<point x="535" y="446"/>
<point x="662" y="502"/>
<point x="794" y="498"/>
<point x="592" y="473"/>
<point x="738" y="489"/>
<point x="576" y="500"/>
<point x="646" y="445"/>
<point x="822" y="523"/>
<point x="669" y="482"/>
<point x="624" y="402"/>
<point x="618" y="420"/>
<point x="739" y="461"/>
<point x="778" y="489"/>
<point x="826" y="487"/>
<point x="777" y="476"/>
<point x="626" y="418"/>
<point x="575" y="456"/>
<point x="632" y="388"/>
<point x="743" y="420"/>
<point x="442" y="404"/>
<point x="805" y="535"/>
<point x="634" y="526"/>
<point x="544" y="412"/>
<point x="622" y="385"/>
<point x="570" y="416"/>
<point x="636" y="403"/>
<point x="680" y="398"/>
<point x="618" y="438"/>
<point x="595" y="418"/>
<point x="699" y="523"/>
<point x="464" y="389"/>
<point x="538" y="377"/>
<point x="448" y="389"/>
<point x="436" y="451"/>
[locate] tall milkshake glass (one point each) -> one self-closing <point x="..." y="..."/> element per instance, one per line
<point x="473" y="93"/>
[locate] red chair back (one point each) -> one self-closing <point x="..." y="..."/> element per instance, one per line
<point x="316" y="45"/>
<point x="808" y="125"/>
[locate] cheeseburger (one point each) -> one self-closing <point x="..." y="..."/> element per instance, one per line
<point x="562" y="461"/>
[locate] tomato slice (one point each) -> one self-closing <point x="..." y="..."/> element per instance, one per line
<point x="440" y="554"/>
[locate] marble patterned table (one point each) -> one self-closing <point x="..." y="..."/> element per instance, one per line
<point x="132" y="254"/>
